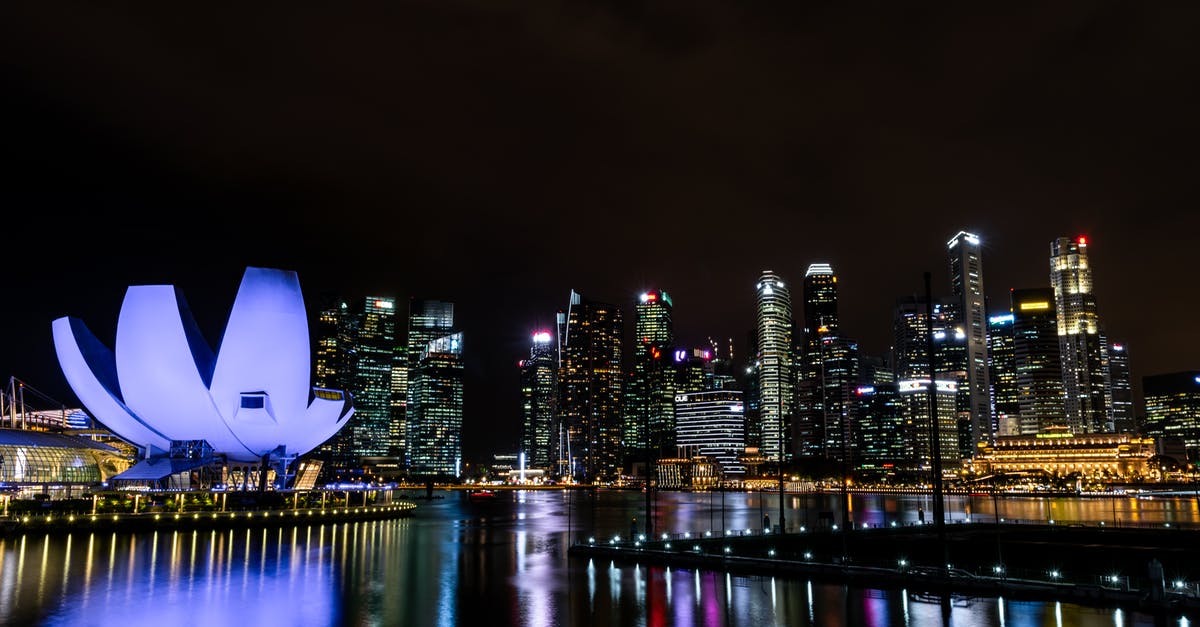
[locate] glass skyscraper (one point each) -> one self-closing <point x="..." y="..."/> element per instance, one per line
<point x="589" y="387"/>
<point x="827" y="372"/>
<point x="538" y="390"/>
<point x="710" y="423"/>
<point x="374" y="353"/>
<point x="775" y="360"/>
<point x="1036" y="358"/>
<point x="435" y="408"/>
<point x="1121" y="392"/>
<point x="966" y="278"/>
<point x="335" y="332"/>
<point x="1003" y="374"/>
<point x="1081" y="342"/>
<point x="650" y="396"/>
<point x="428" y="320"/>
<point x="1173" y="408"/>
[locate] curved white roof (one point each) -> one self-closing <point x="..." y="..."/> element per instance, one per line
<point x="164" y="382"/>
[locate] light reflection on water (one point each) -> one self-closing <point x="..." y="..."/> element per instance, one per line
<point x="457" y="562"/>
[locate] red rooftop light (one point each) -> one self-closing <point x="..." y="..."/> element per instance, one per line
<point x="1082" y="241"/>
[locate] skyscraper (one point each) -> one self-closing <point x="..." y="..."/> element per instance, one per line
<point x="710" y="423"/>
<point x="918" y="445"/>
<point x="910" y="345"/>
<point x="1121" y="392"/>
<point x="819" y="391"/>
<point x="881" y="426"/>
<point x="336" y="332"/>
<point x="375" y="350"/>
<point x="650" y="398"/>
<point x="1173" y="408"/>
<point x="1081" y="342"/>
<point x="538" y="391"/>
<point x="589" y="387"/>
<point x="435" y="408"/>
<point x="428" y="320"/>
<point x="775" y="360"/>
<point x="1036" y="359"/>
<point x="966" y="279"/>
<point x="1003" y="374"/>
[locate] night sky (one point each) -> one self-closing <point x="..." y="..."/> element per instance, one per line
<point x="500" y="154"/>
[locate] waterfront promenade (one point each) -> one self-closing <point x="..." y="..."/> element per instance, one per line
<point x="1151" y="568"/>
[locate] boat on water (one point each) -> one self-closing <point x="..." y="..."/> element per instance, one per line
<point x="482" y="495"/>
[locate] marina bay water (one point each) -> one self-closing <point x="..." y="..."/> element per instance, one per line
<point x="504" y="562"/>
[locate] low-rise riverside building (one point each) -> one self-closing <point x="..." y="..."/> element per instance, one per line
<point x="1094" y="455"/>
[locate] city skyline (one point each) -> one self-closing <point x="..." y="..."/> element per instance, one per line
<point x="596" y="150"/>
<point x="506" y="433"/>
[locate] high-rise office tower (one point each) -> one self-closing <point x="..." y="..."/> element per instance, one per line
<point x="820" y="304"/>
<point x="1081" y="343"/>
<point x="951" y="356"/>
<point x="589" y="387"/>
<point x="694" y="370"/>
<point x="918" y="445"/>
<point x="435" y="407"/>
<point x="375" y="350"/>
<point x="1121" y="392"/>
<point x="710" y="423"/>
<point x="825" y="377"/>
<point x="910" y="346"/>
<point x="881" y="426"/>
<point x="539" y="387"/>
<point x="650" y="397"/>
<point x="399" y="403"/>
<point x="775" y="360"/>
<point x="1002" y="374"/>
<point x="1173" y="408"/>
<point x="1036" y="359"/>
<point x="336" y="332"/>
<point x="428" y="320"/>
<point x="966" y="279"/>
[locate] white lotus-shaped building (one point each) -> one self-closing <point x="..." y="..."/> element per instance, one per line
<point x="163" y="383"/>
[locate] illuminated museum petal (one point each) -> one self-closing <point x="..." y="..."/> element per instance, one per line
<point x="163" y="365"/>
<point x="264" y="354"/>
<point x="323" y="419"/>
<point x="90" y="369"/>
<point x="252" y="402"/>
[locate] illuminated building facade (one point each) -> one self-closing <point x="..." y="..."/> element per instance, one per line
<point x="164" y="388"/>
<point x="1081" y="342"/>
<point x="918" y="444"/>
<point x="36" y="462"/>
<point x="881" y="426"/>
<point x="428" y="320"/>
<point x="333" y="365"/>
<point x="1036" y="358"/>
<point x="827" y="374"/>
<point x="1173" y="408"/>
<point x="711" y="424"/>
<point x="966" y="279"/>
<point x="1120" y="456"/>
<point x="1120" y="389"/>
<point x="436" y="408"/>
<point x="694" y="370"/>
<point x="1002" y="364"/>
<point x="371" y="429"/>
<point x="589" y="387"/>
<point x="910" y="348"/>
<point x="539" y="378"/>
<point x="650" y="396"/>
<point x="679" y="473"/>
<point x="774" y="360"/>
